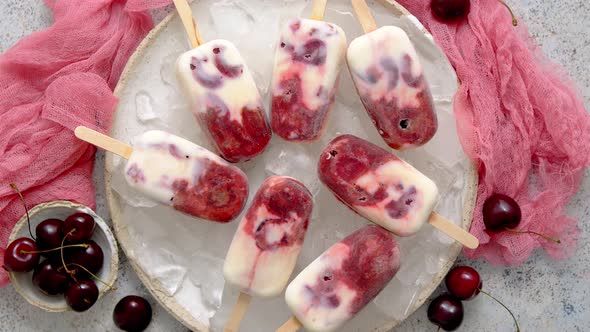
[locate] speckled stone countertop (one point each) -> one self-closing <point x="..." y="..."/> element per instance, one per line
<point x="546" y="295"/>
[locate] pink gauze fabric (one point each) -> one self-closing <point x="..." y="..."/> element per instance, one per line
<point x="51" y="82"/>
<point x="522" y="123"/>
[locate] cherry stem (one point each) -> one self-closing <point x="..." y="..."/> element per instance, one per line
<point x="93" y="275"/>
<point x="558" y="241"/>
<point x="13" y="186"/>
<point x="514" y="21"/>
<point x="437" y="330"/>
<point x="505" y="307"/>
<point x="55" y="249"/>
<point x="71" y="273"/>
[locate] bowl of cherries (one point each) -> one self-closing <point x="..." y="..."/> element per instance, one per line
<point x="61" y="256"/>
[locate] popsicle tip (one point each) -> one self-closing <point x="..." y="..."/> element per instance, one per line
<point x="318" y="10"/>
<point x="78" y="130"/>
<point x="471" y="242"/>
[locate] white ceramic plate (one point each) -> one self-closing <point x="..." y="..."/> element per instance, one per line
<point x="180" y="258"/>
<point x="102" y="235"/>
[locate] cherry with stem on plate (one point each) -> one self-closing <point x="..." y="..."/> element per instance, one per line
<point x="446" y="311"/>
<point x="78" y="227"/>
<point x="80" y="296"/>
<point x="22" y="255"/>
<point x="49" y="234"/>
<point x="49" y="279"/>
<point x="132" y="314"/>
<point x="501" y="212"/>
<point x="464" y="283"/>
<point x="451" y="10"/>
<point x="90" y="256"/>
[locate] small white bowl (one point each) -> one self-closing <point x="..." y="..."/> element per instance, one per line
<point x="103" y="236"/>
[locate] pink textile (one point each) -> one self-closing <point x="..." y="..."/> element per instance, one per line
<point x="522" y="123"/>
<point x="51" y="82"/>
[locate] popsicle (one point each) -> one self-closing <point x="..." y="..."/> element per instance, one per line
<point x="176" y="172"/>
<point x="383" y="188"/>
<point x="268" y="240"/>
<point x="390" y="81"/>
<point x="339" y="283"/>
<point x="306" y="69"/>
<point x="223" y="95"/>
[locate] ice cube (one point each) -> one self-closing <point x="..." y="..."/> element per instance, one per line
<point x="395" y="300"/>
<point x="242" y="18"/>
<point x="207" y="273"/>
<point x="170" y="277"/>
<point x="168" y="69"/>
<point x="191" y="299"/>
<point x="144" y="107"/>
<point x="293" y="159"/>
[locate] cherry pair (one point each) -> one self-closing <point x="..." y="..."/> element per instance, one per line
<point x="463" y="284"/>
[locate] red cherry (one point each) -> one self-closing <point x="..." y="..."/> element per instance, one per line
<point x="78" y="227"/>
<point x="132" y="314"/>
<point x="500" y="212"/>
<point x="91" y="257"/>
<point x="82" y="295"/>
<point x="49" y="278"/>
<point x="21" y="255"/>
<point x="463" y="282"/>
<point x="449" y="10"/>
<point x="49" y="234"/>
<point x="446" y="311"/>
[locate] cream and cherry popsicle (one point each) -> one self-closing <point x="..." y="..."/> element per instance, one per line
<point x="307" y="65"/>
<point x="390" y="81"/>
<point x="268" y="240"/>
<point x="342" y="281"/>
<point x="383" y="188"/>
<point x="223" y="96"/>
<point x="176" y="172"/>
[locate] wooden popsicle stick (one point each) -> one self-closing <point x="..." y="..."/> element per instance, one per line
<point x="233" y="324"/>
<point x="459" y="234"/>
<point x="363" y="13"/>
<point x="103" y="141"/>
<point x="292" y="325"/>
<point x="318" y="10"/>
<point x="186" y="16"/>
